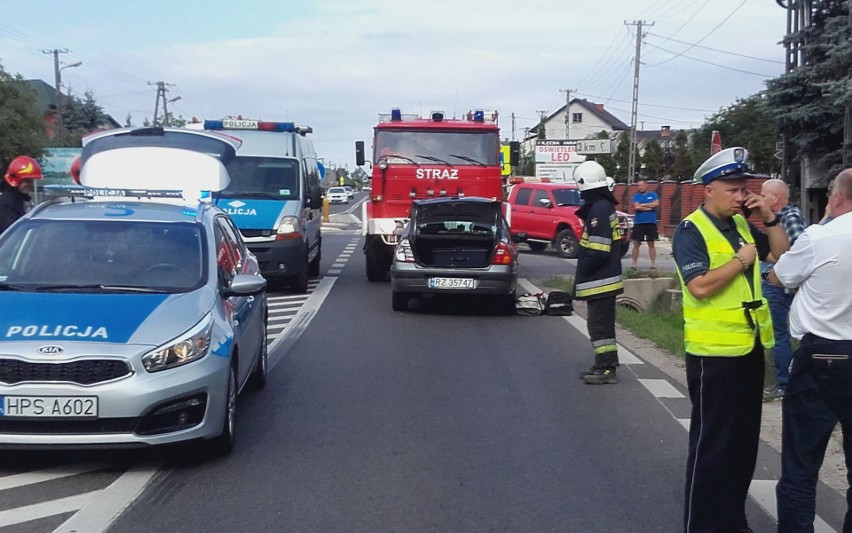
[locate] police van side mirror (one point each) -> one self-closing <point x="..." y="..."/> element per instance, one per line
<point x="315" y="198"/>
<point x="359" y="153"/>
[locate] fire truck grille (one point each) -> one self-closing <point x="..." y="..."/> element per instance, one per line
<point x="87" y="372"/>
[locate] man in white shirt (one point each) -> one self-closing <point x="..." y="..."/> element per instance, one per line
<point x="819" y="393"/>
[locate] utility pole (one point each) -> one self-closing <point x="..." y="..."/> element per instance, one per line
<point x="513" y="126"/>
<point x="631" y="166"/>
<point x="58" y="82"/>
<point x="161" y="93"/>
<point x="541" y="126"/>
<point x="567" y="109"/>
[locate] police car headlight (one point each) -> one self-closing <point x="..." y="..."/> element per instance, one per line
<point x="289" y="228"/>
<point x="187" y="348"/>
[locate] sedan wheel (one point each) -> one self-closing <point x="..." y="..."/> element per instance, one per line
<point x="261" y="370"/>
<point x="224" y="443"/>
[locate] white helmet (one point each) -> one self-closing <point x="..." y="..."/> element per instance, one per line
<point x="590" y="175"/>
<point x="610" y="183"/>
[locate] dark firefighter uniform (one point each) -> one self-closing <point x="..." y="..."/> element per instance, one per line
<point x="598" y="281"/>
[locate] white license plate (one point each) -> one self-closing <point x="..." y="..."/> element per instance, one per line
<point x="450" y="283"/>
<point x="49" y="406"/>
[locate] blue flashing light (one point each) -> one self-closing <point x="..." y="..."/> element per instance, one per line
<point x="396" y="114"/>
<point x="213" y="125"/>
<point x="479" y="116"/>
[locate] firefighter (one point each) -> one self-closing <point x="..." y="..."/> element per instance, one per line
<point x="15" y="189"/>
<point x="727" y="325"/>
<point x="598" y="278"/>
<point x="75" y="170"/>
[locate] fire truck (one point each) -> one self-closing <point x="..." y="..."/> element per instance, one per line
<point x="416" y="158"/>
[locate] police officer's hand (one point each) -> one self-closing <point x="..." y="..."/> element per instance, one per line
<point x="748" y="252"/>
<point x="757" y="202"/>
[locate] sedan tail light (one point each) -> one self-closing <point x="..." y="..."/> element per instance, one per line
<point x="502" y="255"/>
<point x="403" y="252"/>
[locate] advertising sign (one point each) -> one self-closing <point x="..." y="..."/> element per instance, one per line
<point x="556" y="159"/>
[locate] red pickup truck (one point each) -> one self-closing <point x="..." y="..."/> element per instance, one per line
<point x="546" y="213"/>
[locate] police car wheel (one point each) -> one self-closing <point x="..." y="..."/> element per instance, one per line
<point x="224" y="443"/>
<point x="566" y="244"/>
<point x="261" y="369"/>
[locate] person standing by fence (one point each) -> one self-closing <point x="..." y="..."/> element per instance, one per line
<point x="645" y="205"/>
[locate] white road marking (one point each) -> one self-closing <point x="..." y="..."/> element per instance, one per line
<point x="98" y="513"/>
<point x="48" y="474"/>
<point x="284" y="342"/>
<point x="278" y="306"/>
<point x="45" y="509"/>
<point x="625" y="356"/>
<point x="685" y="422"/>
<point x="338" y="265"/>
<point x="280" y="319"/>
<point x="763" y="492"/>
<point x="335" y="271"/>
<point x="661" y="388"/>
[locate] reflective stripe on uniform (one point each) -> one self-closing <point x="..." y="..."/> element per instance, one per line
<point x="602" y="342"/>
<point x="599" y="286"/>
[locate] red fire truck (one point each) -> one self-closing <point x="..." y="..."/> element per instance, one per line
<point x="415" y="158"/>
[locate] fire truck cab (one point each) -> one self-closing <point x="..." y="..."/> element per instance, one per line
<point x="418" y="158"/>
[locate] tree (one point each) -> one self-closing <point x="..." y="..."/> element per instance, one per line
<point x="79" y="117"/>
<point x="748" y="123"/>
<point x="621" y="157"/>
<point x="23" y="127"/>
<point x="652" y="160"/>
<point x="682" y="167"/>
<point x="808" y="102"/>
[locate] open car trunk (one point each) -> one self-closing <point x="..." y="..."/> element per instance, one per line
<point x="458" y="233"/>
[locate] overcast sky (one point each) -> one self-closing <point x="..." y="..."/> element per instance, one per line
<point x="335" y="64"/>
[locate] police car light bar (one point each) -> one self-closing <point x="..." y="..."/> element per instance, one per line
<point x="243" y="124"/>
<point x="78" y="191"/>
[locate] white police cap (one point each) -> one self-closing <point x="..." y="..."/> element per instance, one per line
<point x="730" y="163"/>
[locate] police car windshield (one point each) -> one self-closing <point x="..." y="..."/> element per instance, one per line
<point x="463" y="148"/>
<point x="263" y="177"/>
<point x="102" y="256"/>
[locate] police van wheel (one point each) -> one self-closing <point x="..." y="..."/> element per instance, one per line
<point x="299" y="282"/>
<point x="566" y="244"/>
<point x="314" y="266"/>
<point x="224" y="443"/>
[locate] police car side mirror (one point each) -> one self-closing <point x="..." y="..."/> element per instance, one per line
<point x="244" y="285"/>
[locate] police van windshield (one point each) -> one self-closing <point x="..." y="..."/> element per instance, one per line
<point x="263" y="177"/>
<point x="99" y="256"/>
<point x="430" y="147"/>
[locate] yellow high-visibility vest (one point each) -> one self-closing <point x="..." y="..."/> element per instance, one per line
<point x="718" y="325"/>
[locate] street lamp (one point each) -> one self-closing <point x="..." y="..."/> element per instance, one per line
<point x="59" y="93"/>
<point x="166" y="109"/>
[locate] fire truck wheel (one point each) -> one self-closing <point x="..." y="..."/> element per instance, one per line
<point x="566" y="244"/>
<point x="377" y="267"/>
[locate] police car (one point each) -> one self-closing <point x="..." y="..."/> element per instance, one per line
<point x="131" y="315"/>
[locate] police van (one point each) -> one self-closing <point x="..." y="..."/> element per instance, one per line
<point x="274" y="196"/>
<point x="155" y="321"/>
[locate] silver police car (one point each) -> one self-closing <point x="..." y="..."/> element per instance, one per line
<point x="129" y="317"/>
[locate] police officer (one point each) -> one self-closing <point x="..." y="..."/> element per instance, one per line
<point x="598" y="277"/>
<point x="727" y="325"/>
<point x="15" y="189"/>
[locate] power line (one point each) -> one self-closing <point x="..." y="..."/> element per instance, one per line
<point x="710" y="63"/>
<point x="708" y="34"/>
<point x="720" y="51"/>
<point x="650" y="105"/>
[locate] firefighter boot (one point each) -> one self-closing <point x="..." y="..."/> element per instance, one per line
<point x="587" y="372"/>
<point x="601" y="376"/>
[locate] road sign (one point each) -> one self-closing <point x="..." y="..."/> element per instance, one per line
<point x="594" y="146"/>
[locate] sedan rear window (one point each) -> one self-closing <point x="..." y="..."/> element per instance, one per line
<point x="76" y="255"/>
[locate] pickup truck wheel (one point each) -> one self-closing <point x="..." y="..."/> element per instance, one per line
<point x="537" y="246"/>
<point x="566" y="244"/>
